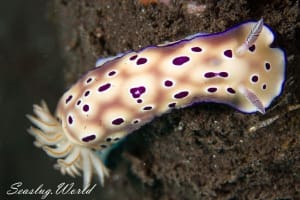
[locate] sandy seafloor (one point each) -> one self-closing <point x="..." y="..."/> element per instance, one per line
<point x="200" y="152"/>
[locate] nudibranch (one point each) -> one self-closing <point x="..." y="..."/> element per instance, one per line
<point x="236" y="67"/>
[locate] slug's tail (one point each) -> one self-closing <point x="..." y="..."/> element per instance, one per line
<point x="71" y="158"/>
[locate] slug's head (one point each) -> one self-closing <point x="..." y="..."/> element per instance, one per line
<point x="259" y="67"/>
<point x="267" y="71"/>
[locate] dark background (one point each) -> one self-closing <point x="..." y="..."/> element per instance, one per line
<point x="30" y="69"/>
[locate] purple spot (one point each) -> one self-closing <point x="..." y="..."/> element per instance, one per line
<point x="117" y="121"/>
<point x="111" y="73"/>
<point x="89" y="138"/>
<point x="86" y="108"/>
<point x="254" y="78"/>
<point x="172" y="105"/>
<point x="86" y="93"/>
<point x="138" y="91"/>
<point x="139" y="101"/>
<point x="104" y="87"/>
<point x="264" y="86"/>
<point x="70" y="120"/>
<point x="212" y="89"/>
<point x="168" y="83"/>
<point x="252" y="48"/>
<point x="69" y="99"/>
<point x="231" y="90"/>
<point x="181" y="95"/>
<point x="141" y="61"/>
<point x="223" y="74"/>
<point x="228" y="53"/>
<point x="147" y="108"/>
<point x="136" y="121"/>
<point x="196" y="49"/>
<point x="180" y="60"/>
<point x="89" y="80"/>
<point x="78" y="102"/>
<point x="133" y="57"/>
<point x="267" y="66"/>
<point x="209" y="75"/>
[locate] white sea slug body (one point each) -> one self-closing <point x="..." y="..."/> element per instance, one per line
<point x="235" y="67"/>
